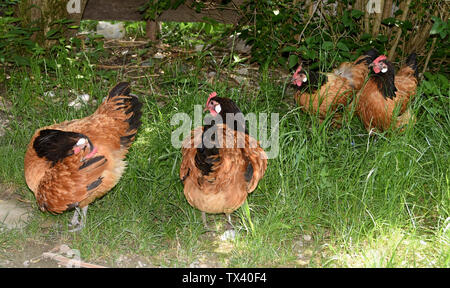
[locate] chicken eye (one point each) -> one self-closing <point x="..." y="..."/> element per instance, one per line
<point x="80" y="142"/>
<point x="217" y="108"/>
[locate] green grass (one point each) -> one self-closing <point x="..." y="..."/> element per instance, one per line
<point x="332" y="197"/>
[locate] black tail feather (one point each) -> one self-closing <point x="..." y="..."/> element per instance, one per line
<point x="206" y="157"/>
<point x="129" y="104"/>
<point x="412" y="62"/>
<point x="126" y="140"/>
<point x="135" y="108"/>
<point x="122" y="88"/>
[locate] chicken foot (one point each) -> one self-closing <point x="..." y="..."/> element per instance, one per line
<point x="78" y="219"/>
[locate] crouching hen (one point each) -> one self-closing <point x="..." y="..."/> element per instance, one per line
<point x="338" y="88"/>
<point x="383" y="102"/>
<point x="70" y="164"/>
<point x="221" y="163"/>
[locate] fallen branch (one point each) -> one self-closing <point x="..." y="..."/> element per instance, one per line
<point x="67" y="262"/>
<point x="112" y="67"/>
<point x="55" y="254"/>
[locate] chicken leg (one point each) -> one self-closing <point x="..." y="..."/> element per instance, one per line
<point x="78" y="219"/>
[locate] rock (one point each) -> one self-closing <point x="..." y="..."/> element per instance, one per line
<point x="242" y="71"/>
<point x="159" y="55"/>
<point x="111" y="31"/>
<point x="199" y="47"/>
<point x="239" y="45"/>
<point x="82" y="99"/>
<point x="228" y="235"/>
<point x="307" y="237"/>
<point x="12" y="216"/>
<point x="49" y="94"/>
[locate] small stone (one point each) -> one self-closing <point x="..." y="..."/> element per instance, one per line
<point x="49" y="94"/>
<point x="307" y="237"/>
<point x="159" y="55"/>
<point x="84" y="97"/>
<point x="228" y="235"/>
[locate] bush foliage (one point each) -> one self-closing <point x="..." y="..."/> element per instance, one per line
<point x="284" y="32"/>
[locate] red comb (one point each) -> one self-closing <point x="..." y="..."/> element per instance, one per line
<point x="296" y="81"/>
<point x="297" y="71"/>
<point x="379" y="58"/>
<point x="212" y="95"/>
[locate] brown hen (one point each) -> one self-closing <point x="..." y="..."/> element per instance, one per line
<point x="338" y="89"/>
<point x="383" y="101"/>
<point x="70" y="164"/>
<point x="221" y="163"/>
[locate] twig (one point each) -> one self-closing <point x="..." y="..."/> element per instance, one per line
<point x="55" y="254"/>
<point x="429" y="55"/>
<point x="69" y="262"/>
<point x="399" y="31"/>
<point x="309" y="20"/>
<point x="102" y="66"/>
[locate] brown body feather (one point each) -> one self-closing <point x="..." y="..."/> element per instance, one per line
<point x="66" y="184"/>
<point x="224" y="189"/>
<point x="337" y="91"/>
<point x="379" y="112"/>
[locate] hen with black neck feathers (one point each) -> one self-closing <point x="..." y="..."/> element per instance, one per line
<point x="221" y="163"/>
<point x="70" y="164"/>
<point x="337" y="88"/>
<point x="383" y="101"/>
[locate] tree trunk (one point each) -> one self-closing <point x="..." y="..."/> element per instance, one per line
<point x="152" y="30"/>
<point x="44" y="14"/>
<point x="377" y="23"/>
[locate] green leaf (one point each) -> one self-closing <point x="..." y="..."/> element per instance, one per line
<point x="282" y="61"/>
<point x="436" y="28"/>
<point x="311" y="54"/>
<point x="389" y="21"/>
<point x="382" y="38"/>
<point x="406" y="25"/>
<point x="346" y="20"/>
<point x="366" y="36"/>
<point x="398" y="12"/>
<point x="327" y="45"/>
<point x="443" y="81"/>
<point x="439" y="26"/>
<point x="292" y="61"/>
<point x="428" y="75"/>
<point x="289" y="49"/>
<point x="357" y="14"/>
<point x="51" y="33"/>
<point x="342" y="46"/>
<point x="21" y="61"/>
<point x="428" y="85"/>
